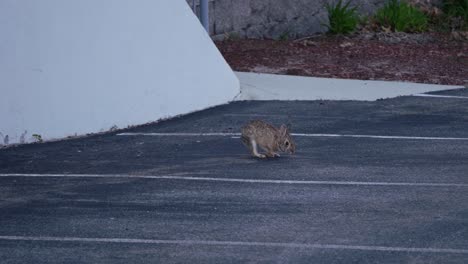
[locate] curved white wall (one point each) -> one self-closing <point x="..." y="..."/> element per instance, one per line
<point x="71" y="67"/>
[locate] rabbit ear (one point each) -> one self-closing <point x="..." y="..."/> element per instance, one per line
<point x="283" y="130"/>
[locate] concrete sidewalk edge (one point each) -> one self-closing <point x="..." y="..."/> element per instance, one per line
<point x="259" y="86"/>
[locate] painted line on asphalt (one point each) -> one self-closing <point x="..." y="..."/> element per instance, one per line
<point x="236" y="243"/>
<point x="238" y="180"/>
<point x="286" y="116"/>
<point x="182" y="134"/>
<point x="441" y="96"/>
<point x="380" y="137"/>
<point x="293" y="134"/>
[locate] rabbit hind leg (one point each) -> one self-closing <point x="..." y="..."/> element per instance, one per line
<point x="246" y="141"/>
<point x="253" y="143"/>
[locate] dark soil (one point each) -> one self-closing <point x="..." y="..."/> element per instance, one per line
<point x="428" y="58"/>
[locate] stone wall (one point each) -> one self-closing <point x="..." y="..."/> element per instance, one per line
<point x="277" y="18"/>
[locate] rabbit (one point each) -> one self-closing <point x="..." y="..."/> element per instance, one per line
<point x="269" y="138"/>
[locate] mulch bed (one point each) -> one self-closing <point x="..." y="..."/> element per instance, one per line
<point x="428" y="58"/>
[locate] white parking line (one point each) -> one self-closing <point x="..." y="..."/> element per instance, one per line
<point x="286" y="116"/>
<point x="237" y="180"/>
<point x="182" y="134"/>
<point x="236" y="243"/>
<point x="293" y="134"/>
<point x="441" y="96"/>
<point x="380" y="137"/>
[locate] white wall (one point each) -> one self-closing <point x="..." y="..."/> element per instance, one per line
<point x="71" y="67"/>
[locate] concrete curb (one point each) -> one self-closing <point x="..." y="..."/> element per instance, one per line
<point x="258" y="86"/>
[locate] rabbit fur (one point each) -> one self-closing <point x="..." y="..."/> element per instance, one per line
<point x="261" y="134"/>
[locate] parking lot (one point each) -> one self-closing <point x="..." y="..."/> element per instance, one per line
<point x="371" y="182"/>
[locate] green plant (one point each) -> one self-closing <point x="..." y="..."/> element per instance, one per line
<point x="398" y="15"/>
<point x="231" y="36"/>
<point x="37" y="137"/>
<point x="342" y="18"/>
<point x="284" y="36"/>
<point x="456" y="11"/>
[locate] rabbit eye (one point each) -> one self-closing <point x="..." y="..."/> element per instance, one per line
<point x="287" y="143"/>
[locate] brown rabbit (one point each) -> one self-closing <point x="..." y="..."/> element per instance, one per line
<point x="269" y="138"/>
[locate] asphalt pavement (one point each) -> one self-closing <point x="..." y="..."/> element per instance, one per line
<point x="371" y="182"/>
